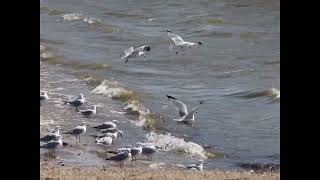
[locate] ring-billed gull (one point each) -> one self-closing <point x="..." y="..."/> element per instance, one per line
<point x="185" y="116"/>
<point x="198" y="166"/>
<point x="179" y="42"/>
<point x="76" y="102"/>
<point x="131" y="52"/>
<point x="77" y="131"/>
<point x="121" y="158"/>
<point x="52" y="145"/>
<point x="52" y="136"/>
<point x="88" y="113"/>
<point x="107" y="125"/>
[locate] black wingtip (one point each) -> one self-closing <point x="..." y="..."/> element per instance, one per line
<point x="201" y="102"/>
<point x="200" y="43"/>
<point x="171" y="97"/>
<point x="169" y="31"/>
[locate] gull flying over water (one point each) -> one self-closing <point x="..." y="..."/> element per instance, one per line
<point x="185" y="116"/>
<point x="77" y="131"/>
<point x="52" y="136"/>
<point x="52" y="145"/>
<point x="198" y="166"/>
<point x="107" y="125"/>
<point x="179" y="42"/>
<point x="88" y="112"/>
<point x="121" y="158"/>
<point x="76" y="102"/>
<point x="131" y="52"/>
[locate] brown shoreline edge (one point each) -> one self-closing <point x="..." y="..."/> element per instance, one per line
<point x="52" y="171"/>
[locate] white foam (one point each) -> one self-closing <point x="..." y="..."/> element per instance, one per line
<point x="171" y="143"/>
<point x="46" y="55"/>
<point x="110" y="89"/>
<point x="78" y="16"/>
<point x="275" y="92"/>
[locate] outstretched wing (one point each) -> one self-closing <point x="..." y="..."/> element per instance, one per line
<point x="180" y="106"/>
<point x="127" y="52"/>
<point x="176" y="39"/>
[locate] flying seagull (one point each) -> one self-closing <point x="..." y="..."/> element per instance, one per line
<point x="131" y="52"/>
<point x="185" y="116"/>
<point x="179" y="42"/>
<point x="77" y="131"/>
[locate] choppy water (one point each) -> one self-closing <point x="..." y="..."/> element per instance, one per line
<point x="236" y="73"/>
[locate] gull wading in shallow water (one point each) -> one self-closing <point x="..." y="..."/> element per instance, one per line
<point x="52" y="136"/>
<point x="76" y="102"/>
<point x="179" y="42"/>
<point x="131" y="52"/>
<point x="88" y="112"/>
<point x="77" y="131"/>
<point x="121" y="158"/>
<point x="52" y="145"/>
<point x="185" y="116"/>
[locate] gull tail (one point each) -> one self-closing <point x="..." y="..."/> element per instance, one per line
<point x="65" y="102"/>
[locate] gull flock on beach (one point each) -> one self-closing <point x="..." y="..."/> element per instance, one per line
<point x="108" y="131"/>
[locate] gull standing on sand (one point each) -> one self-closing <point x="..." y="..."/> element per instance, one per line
<point x="105" y="132"/>
<point x="121" y="158"/>
<point x="77" y="131"/>
<point x="105" y="141"/>
<point x="148" y="150"/>
<point x="52" y="145"/>
<point x="131" y="52"/>
<point x="107" y="125"/>
<point x="43" y="96"/>
<point x="52" y="136"/>
<point x="88" y="113"/>
<point x="198" y="166"/>
<point x="179" y="42"/>
<point x="135" y="151"/>
<point x="185" y="116"/>
<point x="76" y="102"/>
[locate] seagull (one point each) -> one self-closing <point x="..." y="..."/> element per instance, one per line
<point x="105" y="141"/>
<point x="131" y="52"/>
<point x="185" y="116"/>
<point x="121" y="158"/>
<point x="43" y="96"/>
<point x="112" y="130"/>
<point x="107" y="125"/>
<point x="89" y="112"/>
<point x="179" y="42"/>
<point x="52" y="145"/>
<point x="198" y="166"/>
<point x="148" y="150"/>
<point x="135" y="151"/>
<point x="76" y="102"/>
<point x="77" y="131"/>
<point x="52" y="136"/>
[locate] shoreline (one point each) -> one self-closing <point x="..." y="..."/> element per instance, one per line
<point x="61" y="171"/>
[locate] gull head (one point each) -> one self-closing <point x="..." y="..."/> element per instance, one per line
<point x="115" y="121"/>
<point x="81" y="96"/>
<point x="120" y="133"/>
<point x="147" y="48"/>
<point x="169" y="31"/>
<point x="57" y="128"/>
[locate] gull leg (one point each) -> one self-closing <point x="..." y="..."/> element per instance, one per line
<point x="127" y="60"/>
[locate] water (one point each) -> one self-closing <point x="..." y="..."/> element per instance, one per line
<point x="236" y="73"/>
